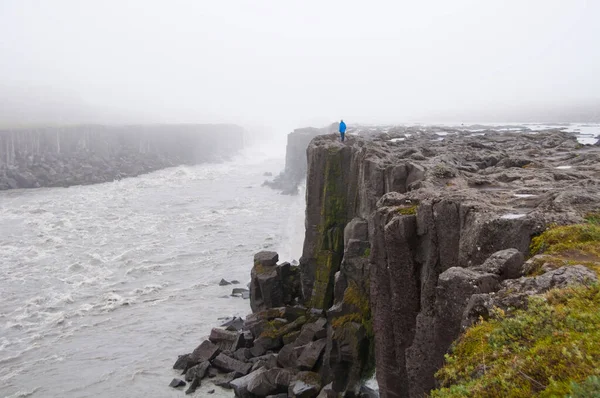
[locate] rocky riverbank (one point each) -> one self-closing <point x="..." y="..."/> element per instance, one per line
<point x="412" y="234"/>
<point x="77" y="155"/>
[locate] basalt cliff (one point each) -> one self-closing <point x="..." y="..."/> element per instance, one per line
<point x="412" y="237"/>
<point x="89" y="154"/>
<point x="294" y="172"/>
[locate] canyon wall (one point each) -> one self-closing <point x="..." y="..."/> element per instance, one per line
<point x="294" y="172"/>
<point x="402" y="231"/>
<point x="87" y="154"/>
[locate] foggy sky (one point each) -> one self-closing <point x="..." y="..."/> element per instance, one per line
<point x="291" y="63"/>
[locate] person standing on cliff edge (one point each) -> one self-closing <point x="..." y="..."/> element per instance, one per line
<point x="342" y="129"/>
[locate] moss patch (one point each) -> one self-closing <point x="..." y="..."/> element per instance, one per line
<point x="538" y="352"/>
<point x="333" y="220"/>
<point x="408" y="211"/>
<point x="354" y="296"/>
<point x="570" y="245"/>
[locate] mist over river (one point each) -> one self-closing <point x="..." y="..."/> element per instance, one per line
<point x="104" y="285"/>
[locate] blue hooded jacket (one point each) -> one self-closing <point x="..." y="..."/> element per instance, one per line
<point x="342" y="127"/>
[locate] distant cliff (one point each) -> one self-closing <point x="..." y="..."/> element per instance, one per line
<point x="295" y="159"/>
<point x="88" y="154"/>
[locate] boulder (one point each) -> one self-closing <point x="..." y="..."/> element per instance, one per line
<point x="197" y="371"/>
<point x="311" y="354"/>
<point x="240" y="385"/>
<point x="270" y="382"/>
<point x="223" y="282"/>
<point x="305" y="385"/>
<point x="288" y="357"/>
<point x="193" y="385"/>
<point x="228" y="364"/>
<point x="224" y="339"/>
<point x="290" y="337"/>
<point x="182" y="362"/>
<point x="329" y="392"/>
<point x="233" y="325"/>
<point x="272" y="285"/>
<point x="206" y="351"/>
<point x="176" y="383"/>
<point x="506" y="264"/>
<point x="266" y="259"/>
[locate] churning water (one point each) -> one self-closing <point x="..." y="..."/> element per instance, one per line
<point x="103" y="286"/>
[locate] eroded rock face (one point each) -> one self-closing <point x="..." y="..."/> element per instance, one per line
<point x="415" y="228"/>
<point x="295" y="159"/>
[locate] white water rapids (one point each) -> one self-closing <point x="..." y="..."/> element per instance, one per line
<point x="103" y="286"/>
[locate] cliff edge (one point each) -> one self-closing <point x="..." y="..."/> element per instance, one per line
<point x="403" y="228"/>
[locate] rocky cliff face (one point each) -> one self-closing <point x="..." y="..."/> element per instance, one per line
<point x="295" y="159"/>
<point x="63" y="156"/>
<point x="403" y="229"/>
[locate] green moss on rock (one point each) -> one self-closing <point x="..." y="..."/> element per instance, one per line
<point x="408" y="211"/>
<point x="330" y="248"/>
<point x="570" y="245"/>
<point x="537" y="352"/>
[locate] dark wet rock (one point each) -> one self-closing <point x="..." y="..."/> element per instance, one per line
<point x="224" y="339"/>
<point x="224" y="380"/>
<point x="193" y="385"/>
<point x="206" y="351"/>
<point x="233" y="325"/>
<point x="271" y="381"/>
<point x="182" y="362"/>
<point x="235" y="282"/>
<point x="305" y="385"/>
<point x="290" y="337"/>
<point x="240" y="385"/>
<point x="228" y="364"/>
<point x="239" y="291"/>
<point x="272" y="285"/>
<point x="311" y="354"/>
<point x="266" y="259"/>
<point x="284" y="395"/>
<point x="210" y="391"/>
<point x="212" y="372"/>
<point x="243" y="354"/>
<point x="268" y="343"/>
<point x="197" y="371"/>
<point x="223" y="282"/>
<point x="176" y="383"/>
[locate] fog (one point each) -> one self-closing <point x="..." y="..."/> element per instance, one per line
<point x="292" y="63"/>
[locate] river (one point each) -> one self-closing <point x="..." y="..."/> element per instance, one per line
<point x="103" y="285"/>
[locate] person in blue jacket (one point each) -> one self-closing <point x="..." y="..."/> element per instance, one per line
<point x="342" y="130"/>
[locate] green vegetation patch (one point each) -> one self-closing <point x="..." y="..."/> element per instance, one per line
<point x="544" y="351"/>
<point x="408" y="211"/>
<point x="571" y="244"/>
<point x="359" y="299"/>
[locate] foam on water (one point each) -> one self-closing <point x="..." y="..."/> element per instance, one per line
<point x="513" y="216"/>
